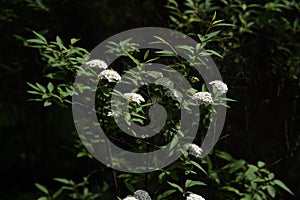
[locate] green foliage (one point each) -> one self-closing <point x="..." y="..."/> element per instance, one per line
<point x="61" y="65"/>
<point x="247" y="181"/>
<point x="259" y="27"/>
<point x="234" y="179"/>
<point x="72" y="190"/>
<point x="37" y="5"/>
<point x="217" y="176"/>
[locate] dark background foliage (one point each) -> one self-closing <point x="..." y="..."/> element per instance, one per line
<point x="36" y="143"/>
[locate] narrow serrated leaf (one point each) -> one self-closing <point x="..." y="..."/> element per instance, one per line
<point x="191" y="183"/>
<point x="62" y="180"/>
<point x="165" y="194"/>
<point x="176" y="186"/>
<point x="146" y="54"/>
<point x="41" y="188"/>
<point x="283" y="186"/>
<point x="40" y="36"/>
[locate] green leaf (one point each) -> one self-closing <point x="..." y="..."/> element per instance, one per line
<point x="257" y="196"/>
<point x="125" y="42"/>
<point x="283" y="186"/>
<point x="271" y="191"/>
<point x="129" y="186"/>
<point x="41" y="5"/>
<point x="34" y="92"/>
<point x="247" y="197"/>
<point x="47" y="103"/>
<point x="43" y="198"/>
<point x="173" y="175"/>
<point x="218" y="21"/>
<point x="125" y="176"/>
<point x="46" y="96"/>
<point x="50" y="87"/>
<point x="40" y="36"/>
<point x="214" y="17"/>
<point x="250" y="173"/>
<point x="74" y="40"/>
<point x="208" y="36"/>
<point x="137" y="115"/>
<point x="165" y="194"/>
<point x="197" y="165"/>
<point x="62" y="180"/>
<point x="33" y="86"/>
<point x="59" y="42"/>
<point x="260" y="164"/>
<point x="231" y="189"/>
<point x="146" y="55"/>
<point x="214" y="176"/>
<point x="165" y="53"/>
<point x="152" y="59"/>
<point x="136" y="61"/>
<point x="236" y="166"/>
<point x="37" y="41"/>
<point x="41" y="88"/>
<point x="191" y="183"/>
<point x="271" y="176"/>
<point x="42" y="188"/>
<point x="161" y="176"/>
<point x="185" y="47"/>
<point x="176" y="186"/>
<point x="209" y="163"/>
<point x="224" y="155"/>
<point x="57" y="193"/>
<point x="224" y="24"/>
<point x="214" y="53"/>
<point x="35" y="100"/>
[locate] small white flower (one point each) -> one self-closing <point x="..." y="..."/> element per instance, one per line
<point x="97" y="63"/>
<point x="110" y="75"/>
<point x="203" y="97"/>
<point x="130" y="198"/>
<point x="134" y="97"/>
<point x="194" y="197"/>
<point x="193" y="149"/>
<point x="220" y="86"/>
<point x="112" y="113"/>
<point x="142" y="195"/>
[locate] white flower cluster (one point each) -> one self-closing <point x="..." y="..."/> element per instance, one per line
<point x="110" y="75"/>
<point x="139" y="195"/>
<point x="194" y="197"/>
<point x="97" y="63"/>
<point x="134" y="97"/>
<point x="142" y="195"/>
<point x="220" y="86"/>
<point x="130" y="198"/>
<point x="193" y="149"/>
<point x="203" y="97"/>
<point x="112" y="114"/>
